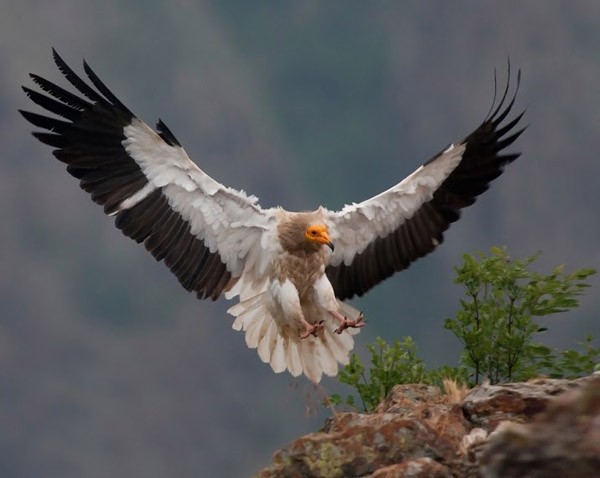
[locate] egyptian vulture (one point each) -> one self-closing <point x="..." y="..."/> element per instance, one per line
<point x="291" y="271"/>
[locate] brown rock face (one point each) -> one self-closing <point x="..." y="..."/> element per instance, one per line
<point x="418" y="432"/>
<point x="357" y="445"/>
<point x="415" y="422"/>
<point x="426" y="403"/>
<point x="419" y="468"/>
<point x="562" y="442"/>
<point x="488" y="405"/>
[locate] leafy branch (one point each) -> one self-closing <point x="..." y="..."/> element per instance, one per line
<point x="496" y="323"/>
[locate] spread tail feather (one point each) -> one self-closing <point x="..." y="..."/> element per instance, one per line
<point x="282" y="347"/>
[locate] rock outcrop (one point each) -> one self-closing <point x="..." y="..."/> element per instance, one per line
<point x="541" y="428"/>
<point x="564" y="441"/>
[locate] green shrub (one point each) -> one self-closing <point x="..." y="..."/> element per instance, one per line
<point x="390" y="365"/>
<point x="496" y="324"/>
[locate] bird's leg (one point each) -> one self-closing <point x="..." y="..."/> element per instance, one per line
<point x="346" y="323"/>
<point x="309" y="329"/>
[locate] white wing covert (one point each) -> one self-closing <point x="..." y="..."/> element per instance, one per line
<point x="206" y="233"/>
<point x="386" y="233"/>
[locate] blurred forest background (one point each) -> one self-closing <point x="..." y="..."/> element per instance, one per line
<point x="107" y="366"/>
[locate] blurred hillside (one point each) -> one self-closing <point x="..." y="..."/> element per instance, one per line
<point x="107" y="366"/>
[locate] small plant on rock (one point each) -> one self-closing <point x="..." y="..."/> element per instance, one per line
<point x="390" y="365"/>
<point x="496" y="322"/>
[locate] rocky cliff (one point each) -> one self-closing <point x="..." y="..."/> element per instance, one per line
<point x="542" y="428"/>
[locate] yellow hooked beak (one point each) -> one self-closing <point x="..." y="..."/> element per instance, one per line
<point x="320" y="234"/>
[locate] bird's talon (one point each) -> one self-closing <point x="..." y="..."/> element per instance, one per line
<point x="311" y="329"/>
<point x="355" y="324"/>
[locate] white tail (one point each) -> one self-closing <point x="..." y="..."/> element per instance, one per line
<point x="282" y="347"/>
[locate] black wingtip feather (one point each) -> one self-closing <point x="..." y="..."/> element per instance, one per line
<point x="500" y="145"/>
<point x="504" y="94"/>
<point x="74" y="79"/>
<point x="41" y="121"/>
<point x="510" y="125"/>
<point x="166" y="134"/>
<point x="50" y="104"/>
<point x="54" y="140"/>
<point x="103" y="89"/>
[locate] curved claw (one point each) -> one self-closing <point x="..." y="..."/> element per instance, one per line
<point x="346" y="323"/>
<point x="311" y="329"/>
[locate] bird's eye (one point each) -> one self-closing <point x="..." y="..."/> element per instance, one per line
<point x="313" y="232"/>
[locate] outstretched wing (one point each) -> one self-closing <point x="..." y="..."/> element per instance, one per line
<point x="205" y="232"/>
<point x="384" y="234"/>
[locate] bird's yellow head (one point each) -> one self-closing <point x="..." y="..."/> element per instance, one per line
<point x="318" y="233"/>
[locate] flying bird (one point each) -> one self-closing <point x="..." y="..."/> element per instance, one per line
<point x="291" y="271"/>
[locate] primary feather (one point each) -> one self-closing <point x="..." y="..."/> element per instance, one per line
<point x="290" y="271"/>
